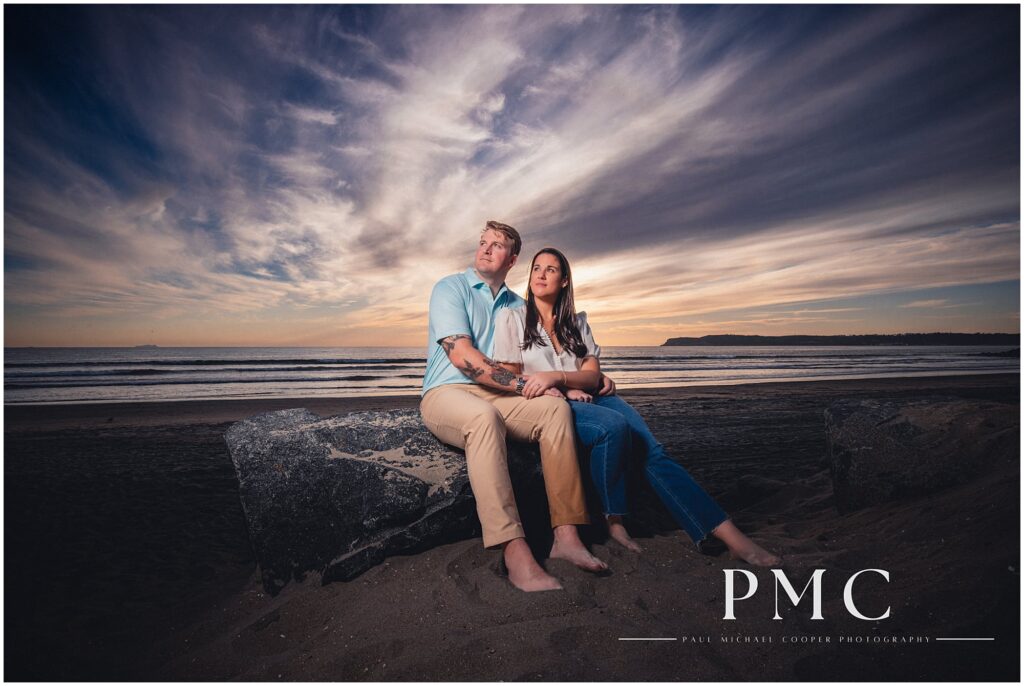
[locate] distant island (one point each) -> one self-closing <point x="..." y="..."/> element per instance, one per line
<point x="865" y="339"/>
<point x="148" y="346"/>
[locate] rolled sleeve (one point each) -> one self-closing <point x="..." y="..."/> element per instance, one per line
<point x="508" y="337"/>
<point x="593" y="349"/>
<point x="448" y="312"/>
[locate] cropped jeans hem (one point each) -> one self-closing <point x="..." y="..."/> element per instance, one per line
<point x="598" y="424"/>
<point x="702" y="543"/>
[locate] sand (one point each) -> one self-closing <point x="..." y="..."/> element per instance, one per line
<point x="127" y="558"/>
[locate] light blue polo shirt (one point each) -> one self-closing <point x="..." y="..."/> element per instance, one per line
<point x="462" y="303"/>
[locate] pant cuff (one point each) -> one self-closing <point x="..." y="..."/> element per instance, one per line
<point x="496" y="540"/>
<point x="576" y="520"/>
<point x="703" y="543"/>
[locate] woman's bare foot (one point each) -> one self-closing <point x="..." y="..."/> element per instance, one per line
<point x="617" y="530"/>
<point x="742" y="548"/>
<point x="755" y="555"/>
<point x="568" y="546"/>
<point x="523" y="570"/>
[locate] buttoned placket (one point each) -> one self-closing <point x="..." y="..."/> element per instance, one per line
<point x="495" y="299"/>
<point x="554" y="352"/>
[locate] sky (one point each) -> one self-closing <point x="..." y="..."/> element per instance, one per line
<point x="303" y="175"/>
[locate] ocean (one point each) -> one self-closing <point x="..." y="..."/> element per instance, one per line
<point x="147" y="374"/>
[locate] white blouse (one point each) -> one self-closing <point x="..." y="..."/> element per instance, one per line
<point x="509" y="326"/>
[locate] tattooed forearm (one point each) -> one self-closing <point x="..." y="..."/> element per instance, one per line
<point x="469" y="370"/>
<point x="449" y="343"/>
<point x="501" y="376"/>
<point x="473" y="365"/>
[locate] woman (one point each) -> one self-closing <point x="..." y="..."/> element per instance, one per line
<point x="554" y="348"/>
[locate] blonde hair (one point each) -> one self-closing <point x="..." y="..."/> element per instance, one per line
<point x="507" y="231"/>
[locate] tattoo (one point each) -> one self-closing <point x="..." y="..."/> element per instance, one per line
<point x="449" y="343"/>
<point x="469" y="370"/>
<point x="501" y="376"/>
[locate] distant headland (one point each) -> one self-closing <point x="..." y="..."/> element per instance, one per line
<point x="862" y="339"/>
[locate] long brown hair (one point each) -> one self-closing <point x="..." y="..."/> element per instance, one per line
<point x="565" y="311"/>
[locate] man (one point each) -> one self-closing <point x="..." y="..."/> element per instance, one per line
<point x="471" y="402"/>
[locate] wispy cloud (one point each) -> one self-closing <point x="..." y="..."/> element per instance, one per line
<point x="926" y="303"/>
<point x="298" y="175"/>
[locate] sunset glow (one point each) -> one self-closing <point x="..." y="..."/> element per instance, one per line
<point x="286" y="175"/>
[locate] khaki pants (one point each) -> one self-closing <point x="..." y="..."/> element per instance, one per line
<point x="478" y="419"/>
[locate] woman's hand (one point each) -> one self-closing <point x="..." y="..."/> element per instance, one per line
<point x="607" y="386"/>
<point x="555" y="393"/>
<point x="539" y="382"/>
<point x="581" y="396"/>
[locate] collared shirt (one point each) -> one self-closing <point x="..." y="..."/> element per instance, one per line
<point x="509" y="334"/>
<point x="462" y="304"/>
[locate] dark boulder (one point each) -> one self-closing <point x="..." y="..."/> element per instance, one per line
<point x="748" y="490"/>
<point x="337" y="495"/>
<point x="882" y="450"/>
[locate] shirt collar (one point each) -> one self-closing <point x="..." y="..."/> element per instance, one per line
<point x="476" y="282"/>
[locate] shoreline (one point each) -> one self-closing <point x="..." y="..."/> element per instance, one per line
<point x="217" y="411"/>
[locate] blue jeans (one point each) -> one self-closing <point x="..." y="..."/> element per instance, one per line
<point x="613" y="430"/>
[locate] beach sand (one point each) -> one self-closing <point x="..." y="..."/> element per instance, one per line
<point x="127" y="558"/>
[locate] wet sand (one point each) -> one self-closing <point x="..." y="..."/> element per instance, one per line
<point x="127" y="558"/>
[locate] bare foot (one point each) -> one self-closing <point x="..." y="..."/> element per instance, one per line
<point x="617" y="531"/>
<point x="755" y="555"/>
<point x="742" y="548"/>
<point x="568" y="546"/>
<point x="523" y="570"/>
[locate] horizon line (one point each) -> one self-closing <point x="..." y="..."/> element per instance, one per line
<point x="156" y="345"/>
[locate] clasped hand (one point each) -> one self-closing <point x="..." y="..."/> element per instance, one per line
<point x="546" y="383"/>
<point x="539" y="383"/>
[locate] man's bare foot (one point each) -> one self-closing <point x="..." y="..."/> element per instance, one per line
<point x="742" y="548"/>
<point x="617" y="530"/>
<point x="523" y="570"/>
<point x="569" y="547"/>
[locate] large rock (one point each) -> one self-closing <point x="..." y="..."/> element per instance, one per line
<point x="881" y="450"/>
<point x="336" y="495"/>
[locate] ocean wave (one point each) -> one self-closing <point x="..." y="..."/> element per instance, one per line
<point x="207" y="381"/>
<point x="197" y="362"/>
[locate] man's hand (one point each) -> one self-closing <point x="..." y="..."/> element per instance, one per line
<point x="607" y="385"/>
<point x="554" y="392"/>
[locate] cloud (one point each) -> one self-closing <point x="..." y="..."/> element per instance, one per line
<point x="327" y="165"/>
<point x="925" y="303"/>
<point x="311" y="114"/>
